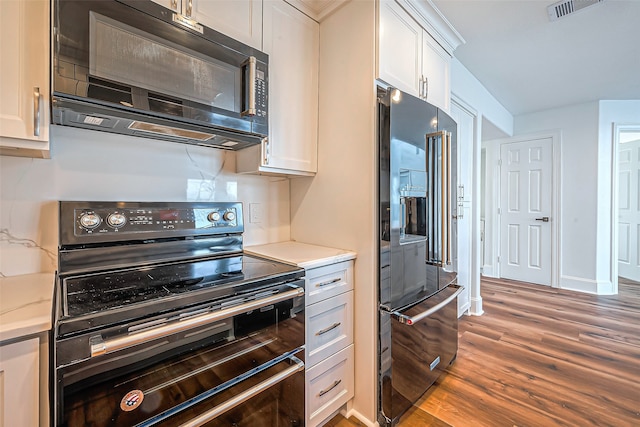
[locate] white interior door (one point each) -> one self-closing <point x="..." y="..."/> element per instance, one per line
<point x="629" y="210"/>
<point x="525" y="210"/>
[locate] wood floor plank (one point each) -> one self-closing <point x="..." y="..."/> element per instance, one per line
<point x="541" y="356"/>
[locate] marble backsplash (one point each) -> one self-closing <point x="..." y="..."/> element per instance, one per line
<point x="87" y="165"/>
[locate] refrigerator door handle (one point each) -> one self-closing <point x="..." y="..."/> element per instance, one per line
<point x="411" y="320"/>
<point x="448" y="258"/>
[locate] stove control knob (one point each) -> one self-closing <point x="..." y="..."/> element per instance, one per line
<point x="90" y="220"/>
<point x="229" y="216"/>
<point x="116" y="220"/>
<point x="214" y="216"/>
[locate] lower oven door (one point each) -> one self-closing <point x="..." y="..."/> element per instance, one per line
<point x="243" y="370"/>
<point x="417" y="345"/>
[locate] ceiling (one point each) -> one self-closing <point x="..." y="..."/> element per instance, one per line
<point x="529" y="63"/>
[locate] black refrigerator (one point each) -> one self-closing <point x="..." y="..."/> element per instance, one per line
<point x="418" y="322"/>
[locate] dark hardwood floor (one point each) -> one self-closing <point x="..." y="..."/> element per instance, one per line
<point x="540" y="357"/>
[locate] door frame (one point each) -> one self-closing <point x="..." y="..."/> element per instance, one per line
<point x="475" y="298"/>
<point x="617" y="129"/>
<point x="556" y="208"/>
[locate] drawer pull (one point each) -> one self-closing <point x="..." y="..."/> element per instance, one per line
<point x="330" y="328"/>
<point x="328" y="282"/>
<point x="334" y="385"/>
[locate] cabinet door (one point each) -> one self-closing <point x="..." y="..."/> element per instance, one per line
<point x="329" y="327"/>
<point x="175" y="5"/>
<point x="24" y="77"/>
<point x="292" y="41"/>
<point x="238" y="19"/>
<point x="436" y="64"/>
<point x="19" y="383"/>
<point x="399" y="48"/>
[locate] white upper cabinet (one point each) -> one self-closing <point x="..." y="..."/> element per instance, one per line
<point x="399" y="48"/>
<point x="291" y="39"/>
<point x="436" y="72"/>
<point x="24" y="78"/>
<point x="238" y="19"/>
<point x="409" y="58"/>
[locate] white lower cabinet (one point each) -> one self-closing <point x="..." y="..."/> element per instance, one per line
<point x="329" y="385"/>
<point x="20" y="383"/>
<point x="329" y="340"/>
<point x="329" y="304"/>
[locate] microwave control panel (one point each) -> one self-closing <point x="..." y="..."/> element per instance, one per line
<point x="261" y="91"/>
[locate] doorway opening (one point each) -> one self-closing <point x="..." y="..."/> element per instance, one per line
<point x="627" y="217"/>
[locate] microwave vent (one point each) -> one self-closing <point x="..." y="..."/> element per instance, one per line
<point x="169" y="131"/>
<point x="563" y="8"/>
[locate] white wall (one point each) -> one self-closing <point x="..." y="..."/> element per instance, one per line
<point x="488" y="114"/>
<point x="337" y="207"/>
<point x="87" y="165"/>
<point x="465" y="86"/>
<point x="578" y="126"/>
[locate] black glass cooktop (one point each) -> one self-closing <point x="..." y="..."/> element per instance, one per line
<point x="218" y="278"/>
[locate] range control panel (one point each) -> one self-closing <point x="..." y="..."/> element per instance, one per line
<point x="129" y="219"/>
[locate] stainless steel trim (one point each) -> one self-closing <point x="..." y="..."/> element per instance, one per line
<point x="189" y="8"/>
<point x="403" y="217"/>
<point x="449" y="218"/>
<point x="100" y="346"/>
<point x="334" y="385"/>
<point x="433" y="365"/>
<point x="411" y="320"/>
<point x="265" y="151"/>
<point x="246" y="395"/>
<point x="328" y="282"/>
<point x="443" y="197"/>
<point x="36" y="111"/>
<point x="330" y="328"/>
<point x="426" y="88"/>
<point x="251" y="87"/>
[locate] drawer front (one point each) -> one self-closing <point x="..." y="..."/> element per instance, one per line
<point x="329" y="327"/>
<point x="330" y="384"/>
<point x="328" y="281"/>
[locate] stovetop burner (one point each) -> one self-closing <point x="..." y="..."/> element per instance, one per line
<point x="92" y="293"/>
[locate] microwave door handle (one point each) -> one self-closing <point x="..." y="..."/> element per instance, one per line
<point x="250" y="94"/>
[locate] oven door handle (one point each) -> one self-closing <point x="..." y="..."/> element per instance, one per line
<point x="246" y="395"/>
<point x="100" y="346"/>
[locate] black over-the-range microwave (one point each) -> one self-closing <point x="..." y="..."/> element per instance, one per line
<point x="134" y="67"/>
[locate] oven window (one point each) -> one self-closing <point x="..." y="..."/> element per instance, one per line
<point x="122" y="53"/>
<point x="171" y="388"/>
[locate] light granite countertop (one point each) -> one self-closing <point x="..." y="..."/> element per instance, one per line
<point x="25" y="305"/>
<point x="301" y="254"/>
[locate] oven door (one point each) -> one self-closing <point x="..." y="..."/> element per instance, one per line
<point x="138" y="58"/>
<point x="241" y="364"/>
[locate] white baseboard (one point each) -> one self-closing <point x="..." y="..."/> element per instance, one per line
<point x="487" y="270"/>
<point x="361" y="418"/>
<point x="589" y="286"/>
<point x="475" y="307"/>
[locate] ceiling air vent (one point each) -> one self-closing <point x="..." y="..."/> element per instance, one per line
<point x="564" y="8"/>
